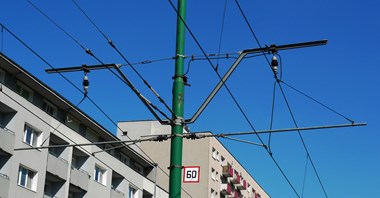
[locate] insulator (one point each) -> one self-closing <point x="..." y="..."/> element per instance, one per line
<point x="274" y="64"/>
<point x="86" y="83"/>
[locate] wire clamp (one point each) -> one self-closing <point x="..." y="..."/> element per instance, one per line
<point x="179" y="121"/>
<point x="180" y="56"/>
<point x="192" y="136"/>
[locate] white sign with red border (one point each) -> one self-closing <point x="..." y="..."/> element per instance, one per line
<point x="191" y="174"/>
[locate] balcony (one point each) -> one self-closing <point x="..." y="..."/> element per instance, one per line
<point x="4" y="185"/>
<point x="57" y="166"/>
<point x="228" y="171"/>
<point x="79" y="178"/>
<point x="242" y="185"/>
<point x="116" y="193"/>
<point x="226" y="189"/>
<point x="7" y="140"/>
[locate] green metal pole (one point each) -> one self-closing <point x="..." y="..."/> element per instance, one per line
<point x="178" y="107"/>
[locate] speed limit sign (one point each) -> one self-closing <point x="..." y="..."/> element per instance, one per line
<point x="191" y="174"/>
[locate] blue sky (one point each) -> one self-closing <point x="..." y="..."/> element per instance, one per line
<point x="341" y="75"/>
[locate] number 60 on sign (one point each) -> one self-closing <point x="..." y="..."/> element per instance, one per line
<point x="191" y="174"/>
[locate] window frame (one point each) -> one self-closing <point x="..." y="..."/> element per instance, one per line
<point x="34" y="138"/>
<point x="100" y="174"/>
<point x="27" y="178"/>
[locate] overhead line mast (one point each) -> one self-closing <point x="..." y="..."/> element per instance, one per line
<point x="178" y="122"/>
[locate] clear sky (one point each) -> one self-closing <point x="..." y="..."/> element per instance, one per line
<point x="341" y="75"/>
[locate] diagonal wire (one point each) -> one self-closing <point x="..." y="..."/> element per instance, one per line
<point x="234" y="99"/>
<point x="243" y="141"/>
<point x="56" y="24"/>
<point x="302" y="140"/>
<point x="304" y="176"/>
<point x="221" y="31"/>
<point x="125" y="59"/>
<point x="320" y="103"/>
<point x="252" y="32"/>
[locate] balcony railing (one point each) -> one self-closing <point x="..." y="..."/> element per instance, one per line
<point x="79" y="178"/>
<point x="7" y="140"/>
<point x="57" y="166"/>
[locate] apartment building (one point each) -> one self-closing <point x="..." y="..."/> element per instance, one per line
<point x="33" y="115"/>
<point x="221" y="175"/>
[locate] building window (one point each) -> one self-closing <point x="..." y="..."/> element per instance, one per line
<point x="125" y="159"/>
<point x="217" y="176"/>
<point x="109" y="149"/>
<point x="24" y="91"/>
<point x="214" y="154"/>
<point x="49" y="108"/>
<point x="31" y="136"/>
<point x="132" y="192"/>
<point x="213" y="174"/>
<point x="100" y="175"/>
<point x="27" y="178"/>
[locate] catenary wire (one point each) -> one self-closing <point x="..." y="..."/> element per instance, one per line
<point x="125" y="59"/>
<point x="88" y="51"/>
<point x="251" y="30"/>
<point x="230" y="93"/>
<point x="275" y="75"/>
<point x="76" y="87"/>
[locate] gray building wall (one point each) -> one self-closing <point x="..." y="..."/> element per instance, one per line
<point x="61" y="172"/>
